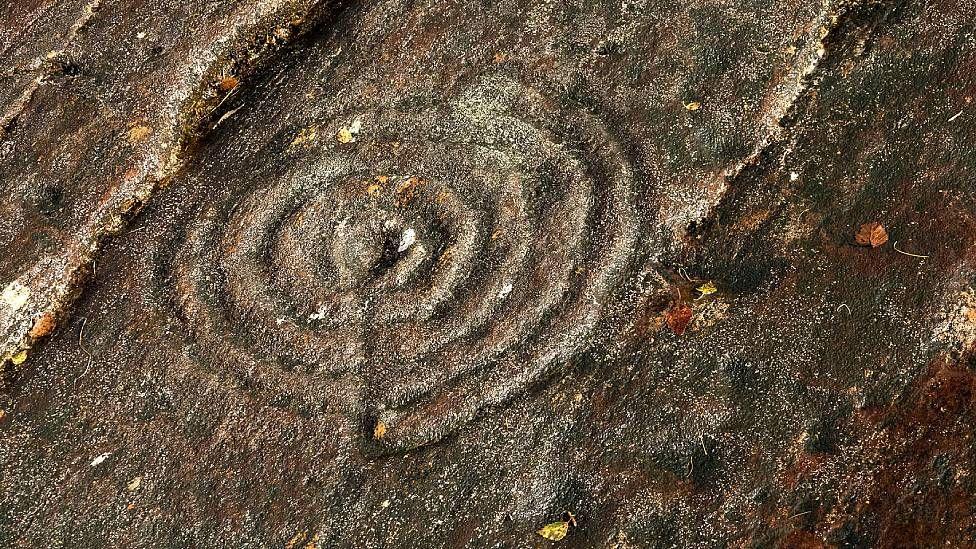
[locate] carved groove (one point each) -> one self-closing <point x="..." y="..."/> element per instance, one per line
<point x="448" y="258"/>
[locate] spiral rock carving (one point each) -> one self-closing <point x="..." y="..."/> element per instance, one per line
<point x="447" y="258"/>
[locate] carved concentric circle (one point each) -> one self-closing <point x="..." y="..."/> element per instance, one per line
<point x="447" y="256"/>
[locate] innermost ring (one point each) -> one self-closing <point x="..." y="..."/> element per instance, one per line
<point x="370" y="243"/>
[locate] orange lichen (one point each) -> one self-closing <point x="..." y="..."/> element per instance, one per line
<point x="43" y="326"/>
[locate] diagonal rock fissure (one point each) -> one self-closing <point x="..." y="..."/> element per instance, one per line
<point x="42" y="295"/>
<point x="841" y="35"/>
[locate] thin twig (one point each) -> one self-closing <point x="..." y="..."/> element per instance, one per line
<point x="844" y="305"/>
<point x="222" y="101"/>
<point x="895" y="246"/>
<point x="955" y="116"/>
<point x="227" y="115"/>
<point x="81" y="346"/>
<point x="799" y="515"/>
<point x="684" y="273"/>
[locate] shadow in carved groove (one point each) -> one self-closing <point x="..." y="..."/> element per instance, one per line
<point x="444" y="258"/>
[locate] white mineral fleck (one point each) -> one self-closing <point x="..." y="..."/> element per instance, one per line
<point x="506" y="289"/>
<point x="407" y="239"/>
<point x="319" y="314"/>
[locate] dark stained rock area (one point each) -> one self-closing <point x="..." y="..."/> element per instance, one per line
<point x="310" y="273"/>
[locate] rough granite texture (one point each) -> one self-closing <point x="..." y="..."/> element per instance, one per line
<point x="301" y="273"/>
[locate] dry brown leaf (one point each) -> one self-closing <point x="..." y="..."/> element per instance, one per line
<point x="678" y="317"/>
<point x="871" y="234"/>
<point x="228" y="83"/>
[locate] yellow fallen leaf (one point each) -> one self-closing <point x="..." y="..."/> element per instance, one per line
<point x="305" y="136"/>
<point x="134" y="484"/>
<point x="693" y="105"/>
<point x="19" y="358"/>
<point x="348" y="134"/>
<point x="296" y="539"/>
<point x="380" y="430"/>
<point x="707" y="288"/>
<point x="554" y="531"/>
<point x="313" y="543"/>
<point x="345" y="136"/>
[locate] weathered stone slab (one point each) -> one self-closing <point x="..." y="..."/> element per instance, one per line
<point x="425" y="274"/>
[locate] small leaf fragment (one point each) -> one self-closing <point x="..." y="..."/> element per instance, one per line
<point x="134" y="484"/>
<point x="678" y="317"/>
<point x="228" y="83"/>
<point x="379" y="431"/>
<point x="345" y="136"/>
<point x="348" y="134"/>
<point x="305" y="137"/>
<point x="707" y="288"/>
<point x="554" y="531"/>
<point x="19" y="358"/>
<point x="692" y="106"/>
<point x="871" y="234"/>
<point x="296" y="539"/>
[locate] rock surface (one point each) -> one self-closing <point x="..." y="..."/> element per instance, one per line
<point x="304" y="273"/>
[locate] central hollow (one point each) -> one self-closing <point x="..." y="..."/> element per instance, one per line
<point x="367" y="244"/>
